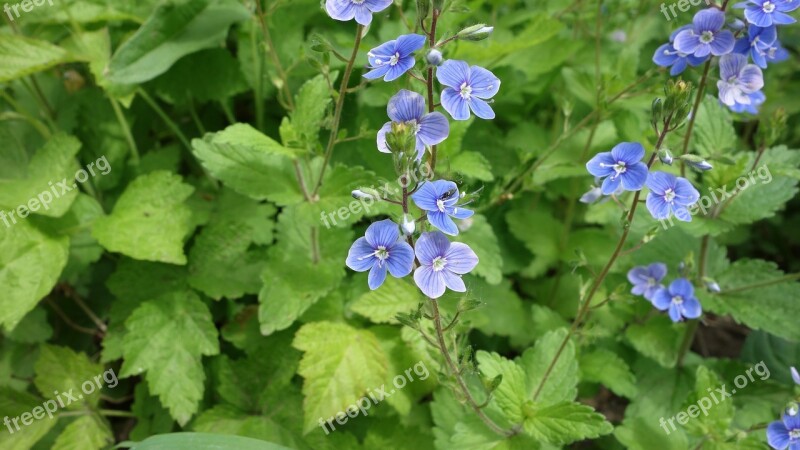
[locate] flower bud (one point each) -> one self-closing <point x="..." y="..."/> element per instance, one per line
<point x="792" y="409"/>
<point x="592" y="196"/>
<point x="697" y="162"/>
<point x="433" y="57"/>
<point x="408" y="224"/>
<point x="665" y="156"/>
<point x="736" y="25"/>
<point x="477" y="32"/>
<point x="401" y="139"/>
<point x="657" y="111"/>
<point x="359" y="194"/>
<point x="712" y="285"/>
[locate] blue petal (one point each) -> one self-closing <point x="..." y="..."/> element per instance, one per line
<point x="461" y="213"/>
<point x="454" y="104"/>
<point x="628" y="152"/>
<point x="442" y="187"/>
<point x="376" y="73"/>
<point x="363" y="16"/>
<point x="425" y="197"/>
<point x="481" y="108"/>
<point x="610" y="185"/>
<point x="433" y="128"/>
<point x="340" y="9"/>
<point x="665" y="56"/>
<point x="662" y="299"/>
<point x="795" y="375"/>
<point x="377" y="275"/>
<point x="453" y="73"/>
<point x="405" y="106"/>
<point x="757" y="16"/>
<point x="443" y="222"/>
<point x="659" y="182"/>
<point x="453" y="281"/>
<point x="401" y="259"/>
<point x="777" y="435"/>
<point x="657" y="206"/>
<point x="396" y="71"/>
<point x="780" y="18"/>
<point x="429" y="282"/>
<point x="691" y="308"/>
<point x="359" y="257"/>
<point x="381" y="139"/>
<point x="723" y="43"/>
<point x="409" y="43"/>
<point x="685" y="193"/>
<point x="460" y="258"/>
<point x="377" y="5"/>
<point x="634" y="177"/>
<point x="484" y="84"/>
<point x="711" y="19"/>
<point x="679" y="66"/>
<point x="657" y="271"/>
<point x="682" y="287"/>
<point x="674" y="312"/>
<point x="380" y="55"/>
<point x="638" y="275"/>
<point x="601" y="165"/>
<point x="430" y="246"/>
<point x="682" y="213"/>
<point x="383" y="233"/>
<point x="687" y="42"/>
<point x="792" y="422"/>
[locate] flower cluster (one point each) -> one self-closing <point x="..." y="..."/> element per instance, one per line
<point x="677" y="299"/>
<point x="413" y="129"/>
<point x="785" y="433"/>
<point x="623" y="170"/>
<point x="740" y="81"/>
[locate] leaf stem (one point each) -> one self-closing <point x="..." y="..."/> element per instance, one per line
<point x="700" y="90"/>
<point x="126" y="129"/>
<point x="429" y="81"/>
<point x="337" y="112"/>
<point x="783" y="279"/>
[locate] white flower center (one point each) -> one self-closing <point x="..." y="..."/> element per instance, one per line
<point x="466" y="91"/>
<point x="794" y="434"/>
<point x="393" y="60"/>
<point x="440" y="205"/>
<point x="381" y="253"/>
<point x="669" y="195"/>
<point x="414" y="125"/>
<point x="651" y="281"/>
<point x="707" y="37"/>
<point x="768" y="7"/>
<point x="678" y="300"/>
<point x="357" y="2"/>
<point x="619" y="167"/>
<point x="438" y="263"/>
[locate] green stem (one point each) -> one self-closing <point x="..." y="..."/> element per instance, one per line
<point x="126" y="129"/>
<point x="286" y="92"/>
<point x="783" y="279"/>
<point x="700" y="90"/>
<point x="688" y="338"/>
<point x="165" y="117"/>
<point x="337" y="112"/>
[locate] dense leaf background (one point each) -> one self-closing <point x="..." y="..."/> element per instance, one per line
<point x="197" y="272"/>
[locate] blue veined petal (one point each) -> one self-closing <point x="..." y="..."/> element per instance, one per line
<point x="601" y="165"/>
<point x="443" y="222"/>
<point x="460" y="213"/>
<point x="340" y="9"/>
<point x="691" y="308"/>
<point x="685" y="193"/>
<point x="638" y="275"/>
<point x="757" y="16"/>
<point x="484" y="83"/>
<point x="481" y="108"/>
<point x="682" y="213"/>
<point x="751" y="78"/>
<point x="431" y="245"/>
<point x="639" y="289"/>
<point x="659" y="182"/>
<point x="792" y="422"/>
<point x="409" y="43"/>
<point x="382" y="147"/>
<point x="429" y="282"/>
<point x="453" y="73"/>
<point x="662" y="299"/>
<point x="359" y="256"/>
<point x="777" y="435"/>
<point x="766" y="36"/>
<point x="383" y="233"/>
<point x="401" y="259"/>
<point x="396" y="71"/>
<point x="377" y="275"/>
<point x="453" y="281"/>
<point x="723" y="43"/>
<point x="687" y="42"/>
<point x="657" y="270"/>
<point x="610" y="184"/>
<point x="377" y="5"/>
<point x="682" y="287"/>
<point x="759" y="58"/>
<point x="788" y="5"/>
<point x="742" y="46"/>
<point x="363" y="17"/>
<point x="634" y="177"/>
<point x="731" y="65"/>
<point x="727" y="94"/>
<point x="406" y="106"/>
<point x="380" y="55"/>
<point x="454" y="104"/>
<point x="675" y="312"/>
<point x="425" y="197"/>
<point x="460" y="258"/>
<point x="628" y="152"/>
<point x="711" y="19"/>
<point x="665" y="56"/>
<point x="442" y="187"/>
<point x="657" y="206"/>
<point x="378" y="72"/>
<point x="780" y="18"/>
<point x="433" y="128"/>
<point x="678" y="67"/>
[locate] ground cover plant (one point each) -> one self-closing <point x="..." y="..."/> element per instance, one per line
<point x="430" y="224"/>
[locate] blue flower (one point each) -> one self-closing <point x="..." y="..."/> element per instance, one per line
<point x="439" y="199"/>
<point x="379" y="249"/>
<point x="362" y="10"/>
<point x="757" y="98"/>
<point x="679" y="299"/>
<point x="765" y="13"/>
<point x="467" y="89"/>
<point x="441" y="264"/>
<point x="622" y="165"/>
<point x="795" y="375"/>
<point x="670" y="195"/>
<point x="409" y="108"/>
<point x="596" y="193"/>
<point x="737" y="79"/>
<point x="646" y="280"/>
<point x="758" y="44"/>
<point x="394" y="58"/>
<point x="667" y="56"/>
<point x="706" y="35"/>
<point x="784" y="433"/>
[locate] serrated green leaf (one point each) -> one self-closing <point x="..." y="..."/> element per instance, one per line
<point x="156" y="220"/>
<point x="340" y="365"/>
<point x="167" y="338"/>
<point x="511" y="395"/>
<point x="562" y="381"/>
<point x="311" y="104"/>
<point x="62" y="369"/>
<point x="85" y="433"/>
<point x="14" y="404"/>
<point x="24" y="56"/>
<point x="606" y="367"/>
<point x="713" y="128"/>
<point x="221" y="78"/>
<point x="481" y="238"/>
<point x="171" y="32"/>
<point x="472" y="165"/>
<point x="565" y="422"/>
<point x="658" y="338"/>
<point x="393" y="297"/>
